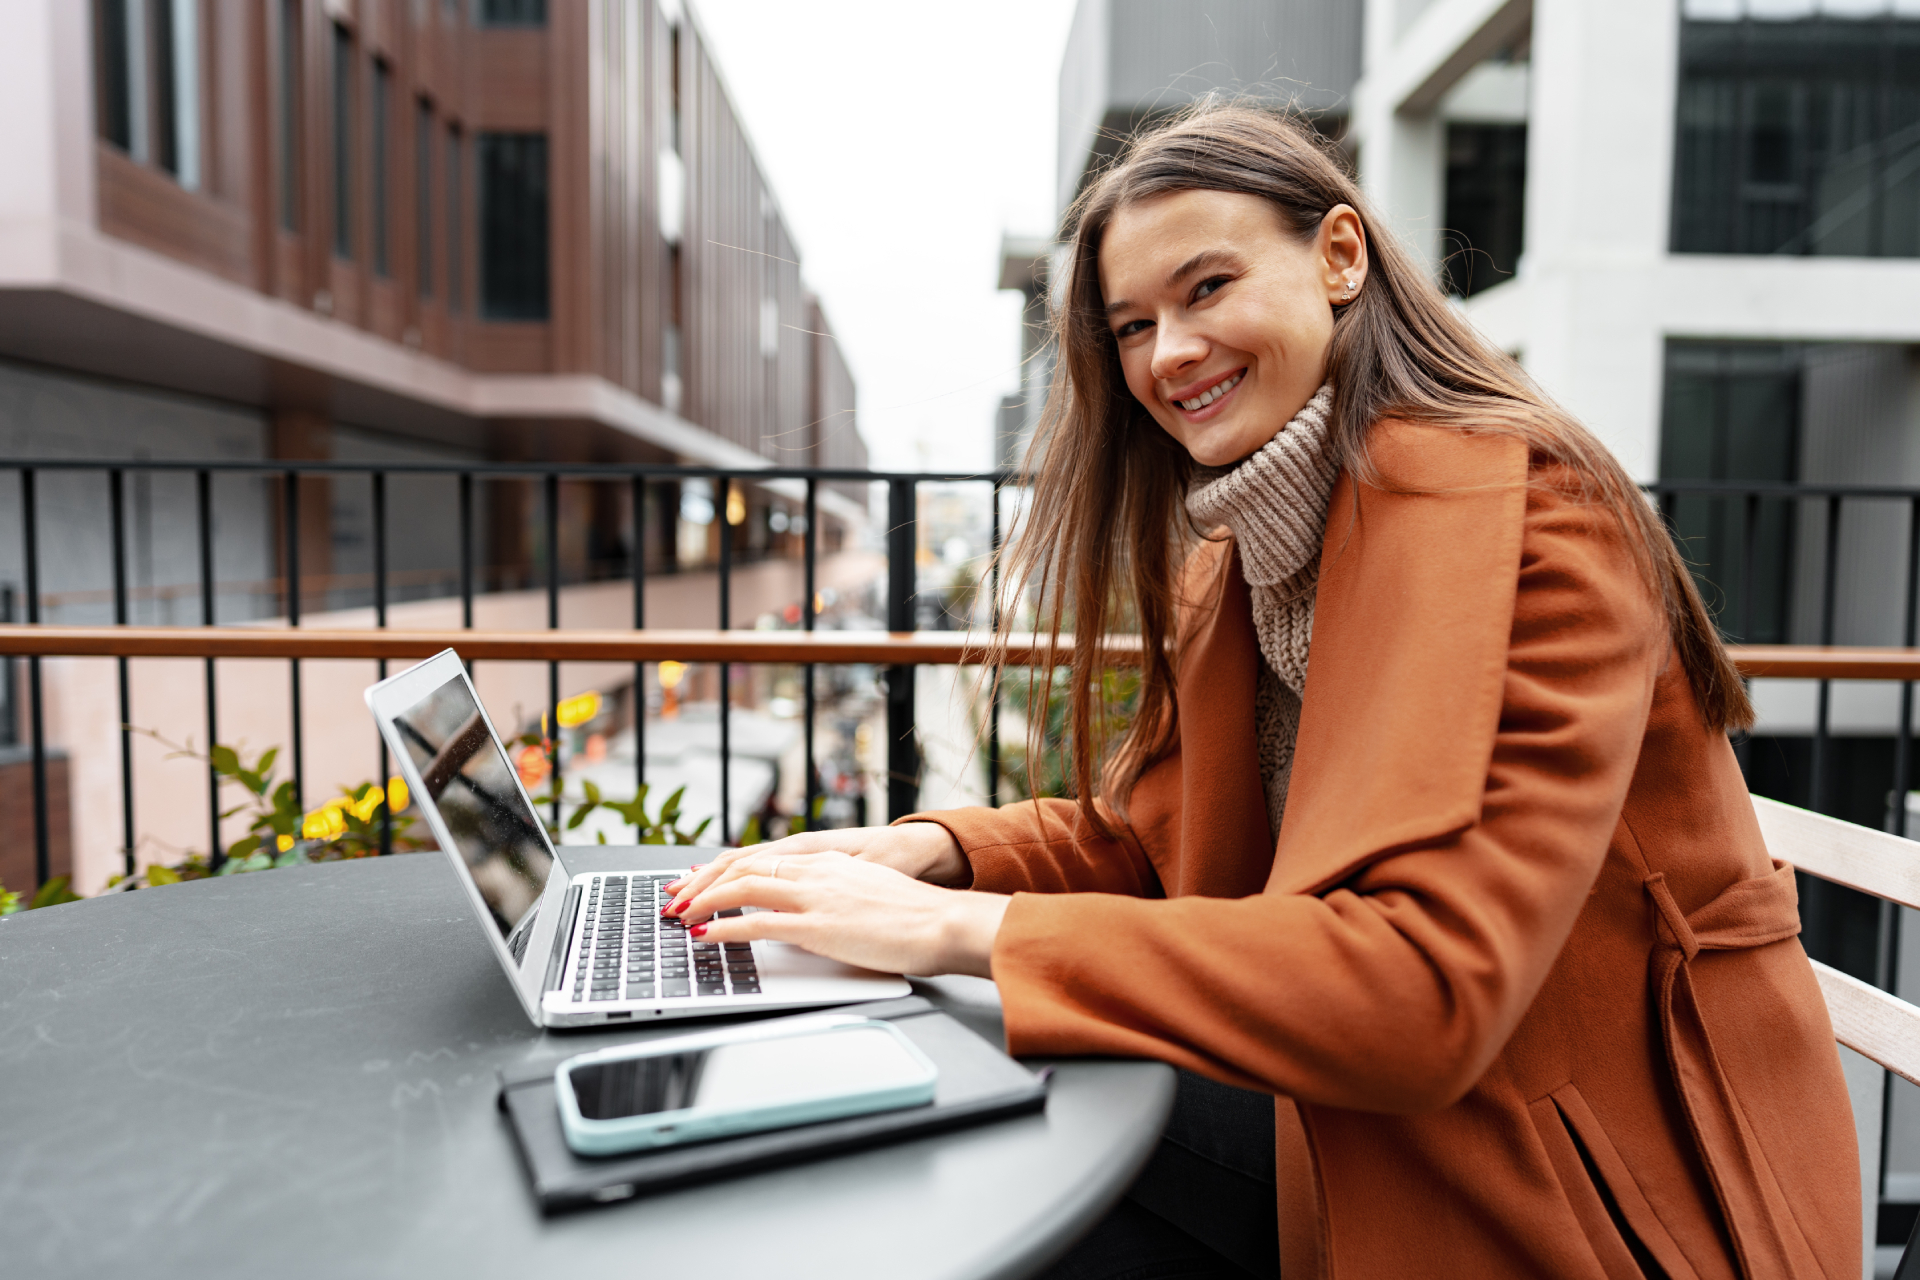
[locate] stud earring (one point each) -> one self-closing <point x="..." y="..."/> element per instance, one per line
<point x="1351" y="286"/>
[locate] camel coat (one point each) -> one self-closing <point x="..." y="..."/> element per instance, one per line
<point x="1519" y="971"/>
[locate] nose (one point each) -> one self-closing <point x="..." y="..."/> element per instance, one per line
<point x="1176" y="348"/>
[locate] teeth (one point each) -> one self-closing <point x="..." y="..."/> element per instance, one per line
<point x="1213" y="393"/>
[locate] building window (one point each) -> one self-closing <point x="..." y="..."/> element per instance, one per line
<point x="289" y="104"/>
<point x="512" y="172"/>
<point x="456" y="234"/>
<point x="1485" y="205"/>
<point x="1797" y="137"/>
<point x="1732" y="411"/>
<point x="423" y="197"/>
<point x="342" y="142"/>
<point x="122" y="74"/>
<point x="149" y="82"/>
<point x="510" y="13"/>
<point x="382" y="176"/>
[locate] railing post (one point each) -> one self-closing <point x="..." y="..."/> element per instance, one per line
<point x="724" y="501"/>
<point x="552" y="491"/>
<point x="116" y="495"/>
<point x="638" y="484"/>
<point x="1823" y="709"/>
<point x="903" y="747"/>
<point x="811" y="783"/>
<point x="378" y="481"/>
<point x="296" y="728"/>
<point x="993" y="676"/>
<point x="216" y="855"/>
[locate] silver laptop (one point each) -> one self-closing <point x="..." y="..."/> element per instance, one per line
<point x="587" y="948"/>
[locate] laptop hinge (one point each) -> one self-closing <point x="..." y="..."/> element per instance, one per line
<point x="561" y="937"/>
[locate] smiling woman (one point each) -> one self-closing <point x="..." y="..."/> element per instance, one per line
<point x="1425" y="854"/>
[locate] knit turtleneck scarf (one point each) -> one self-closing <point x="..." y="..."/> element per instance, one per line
<point x="1275" y="502"/>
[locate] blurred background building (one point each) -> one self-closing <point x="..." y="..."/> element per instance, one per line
<point x="393" y="232"/>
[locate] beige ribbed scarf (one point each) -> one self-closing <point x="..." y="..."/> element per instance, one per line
<point x="1275" y="501"/>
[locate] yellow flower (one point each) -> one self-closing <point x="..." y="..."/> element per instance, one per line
<point x="671" y="674"/>
<point x="283" y="843"/>
<point x="578" y="710"/>
<point x="363" y="807"/>
<point x="396" y="793"/>
<point x="324" y="823"/>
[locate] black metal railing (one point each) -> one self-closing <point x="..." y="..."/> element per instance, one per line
<point x="286" y="479"/>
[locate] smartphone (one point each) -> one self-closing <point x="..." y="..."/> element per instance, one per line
<point x="718" y="1084"/>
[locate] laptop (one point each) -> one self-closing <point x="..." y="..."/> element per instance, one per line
<point x="579" y="949"/>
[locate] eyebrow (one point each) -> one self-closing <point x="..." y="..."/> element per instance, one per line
<point x="1205" y="258"/>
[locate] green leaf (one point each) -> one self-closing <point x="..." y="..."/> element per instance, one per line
<point x="224" y="760"/>
<point x="294" y="857"/>
<point x="252" y="781"/>
<point x="243" y="847"/>
<point x="751" y="835"/>
<point x="158" y="875"/>
<point x="230" y="812"/>
<point x="593" y="792"/>
<point x="53" y="893"/>
<point x="602" y="836"/>
<point x="579" y="816"/>
<point x="697" y="831"/>
<point x="264" y="766"/>
<point x="283" y="796"/>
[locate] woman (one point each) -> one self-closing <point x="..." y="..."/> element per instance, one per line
<point x="1426" y="824"/>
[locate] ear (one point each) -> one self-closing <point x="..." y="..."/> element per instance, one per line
<point x="1342" y="248"/>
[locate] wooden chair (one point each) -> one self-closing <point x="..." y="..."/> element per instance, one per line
<point x="1874" y="1024"/>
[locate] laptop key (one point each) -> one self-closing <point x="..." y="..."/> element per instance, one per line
<point x="675" y="987"/>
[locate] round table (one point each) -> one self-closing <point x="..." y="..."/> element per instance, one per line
<point x="291" y="1073"/>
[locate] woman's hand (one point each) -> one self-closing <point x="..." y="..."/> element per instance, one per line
<point x="849" y="909"/>
<point x="922" y="850"/>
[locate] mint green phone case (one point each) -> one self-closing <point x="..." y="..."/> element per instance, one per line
<point x="698" y="1123"/>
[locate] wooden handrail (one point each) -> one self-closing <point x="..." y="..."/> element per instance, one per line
<point x="910" y="647"/>
<point x="934" y="648"/>
<point x="1825" y="662"/>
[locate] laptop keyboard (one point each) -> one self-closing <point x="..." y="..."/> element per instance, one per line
<point x="629" y="951"/>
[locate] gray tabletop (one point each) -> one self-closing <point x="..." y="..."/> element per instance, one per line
<point x="291" y="1073"/>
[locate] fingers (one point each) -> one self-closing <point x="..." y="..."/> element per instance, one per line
<point x="770" y="881"/>
<point x="758" y="859"/>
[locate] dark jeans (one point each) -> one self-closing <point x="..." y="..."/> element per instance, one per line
<point x="1204" y="1205"/>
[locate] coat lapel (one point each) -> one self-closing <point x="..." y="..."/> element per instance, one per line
<point x="1407" y="667"/>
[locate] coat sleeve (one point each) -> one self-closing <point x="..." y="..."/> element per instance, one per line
<point x="1395" y="989"/>
<point x="1047" y="846"/>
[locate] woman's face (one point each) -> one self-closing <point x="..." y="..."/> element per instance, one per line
<point x="1223" y="318"/>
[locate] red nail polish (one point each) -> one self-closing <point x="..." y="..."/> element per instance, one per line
<point x="696" y="866"/>
<point x="698" y="930"/>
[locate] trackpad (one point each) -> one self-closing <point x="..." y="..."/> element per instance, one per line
<point x="784" y="960"/>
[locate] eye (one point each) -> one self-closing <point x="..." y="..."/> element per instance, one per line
<point x="1209" y="286"/>
<point x="1130" y="328"/>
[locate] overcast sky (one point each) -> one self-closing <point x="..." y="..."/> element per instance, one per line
<point x="901" y="140"/>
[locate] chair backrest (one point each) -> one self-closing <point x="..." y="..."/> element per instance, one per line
<point x="1871" y="1022"/>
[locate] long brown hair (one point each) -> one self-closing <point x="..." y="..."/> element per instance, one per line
<point x="1107" y="530"/>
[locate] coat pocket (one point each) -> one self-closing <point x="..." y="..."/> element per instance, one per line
<point x="1614" y="1215"/>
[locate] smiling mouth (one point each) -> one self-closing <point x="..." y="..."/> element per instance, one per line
<point x="1212" y="393"/>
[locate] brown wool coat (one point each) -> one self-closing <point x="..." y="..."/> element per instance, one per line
<point x="1519" y="970"/>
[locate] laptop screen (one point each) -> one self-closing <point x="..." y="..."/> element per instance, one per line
<point x="466" y="775"/>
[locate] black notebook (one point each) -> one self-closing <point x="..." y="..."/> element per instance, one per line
<point x="977" y="1082"/>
